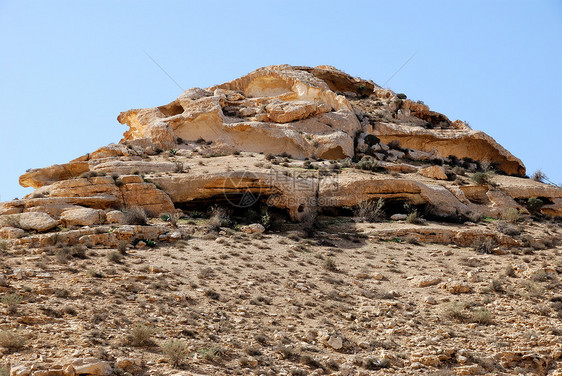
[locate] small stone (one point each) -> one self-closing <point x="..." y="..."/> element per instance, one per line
<point x="11" y="233"/>
<point x="335" y="342"/>
<point x="398" y="217"/>
<point x="428" y="281"/>
<point x="21" y="370"/>
<point x="257" y="228"/>
<point x="92" y="366"/>
<point x="457" y="287"/>
<point x="430" y="300"/>
<point x="433" y="172"/>
<point x="378" y="276"/>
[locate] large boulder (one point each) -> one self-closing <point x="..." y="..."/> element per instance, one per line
<point x="36" y="221"/>
<point x="83" y="217"/>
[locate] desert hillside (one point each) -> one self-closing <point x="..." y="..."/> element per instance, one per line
<point x="294" y="221"/>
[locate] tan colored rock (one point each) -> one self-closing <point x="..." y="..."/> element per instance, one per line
<point x="433" y="172"/>
<point x="43" y="176"/>
<point x="115" y="216"/>
<point x="83" y="217"/>
<point x="11" y="233"/>
<point x="280" y="109"/>
<point x="254" y="228"/>
<point x="335" y="342"/>
<point x="129" y="167"/>
<point x="460" y="143"/>
<point x="40" y="222"/>
<point x="457" y="287"/>
<point x="427" y="281"/>
<point x="22" y="370"/>
<point x="131" y="365"/>
<point x="92" y="366"/>
<point x="145" y="195"/>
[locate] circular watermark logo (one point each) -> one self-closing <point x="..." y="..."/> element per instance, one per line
<point x="242" y="189"/>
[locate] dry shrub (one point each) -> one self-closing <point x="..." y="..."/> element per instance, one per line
<point x="141" y="335"/>
<point x="483" y="178"/>
<point x="485" y="245"/>
<point x="482" y="316"/>
<point x="508" y="229"/>
<point x="455" y="311"/>
<point x="176" y="352"/>
<point x="511" y="215"/>
<point x="135" y="216"/>
<point x="330" y="264"/>
<point x="370" y="211"/>
<point x="219" y="218"/>
<point x="12" y="301"/>
<point x="11" y="340"/>
<point x="4" y="245"/>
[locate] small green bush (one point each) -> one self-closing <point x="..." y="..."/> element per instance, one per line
<point x="483" y="178"/>
<point x="534" y="205"/>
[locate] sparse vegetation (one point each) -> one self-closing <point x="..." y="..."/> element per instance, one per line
<point x="12" y="341"/>
<point x="176" y="352"/>
<point x="4" y="245"/>
<point x="534" y="205"/>
<point x="330" y="264"/>
<point x="370" y="211"/>
<point x="141" y="335"/>
<point x="483" y="178"/>
<point x="539" y="176"/>
<point x="511" y="215"/>
<point x="484" y="245"/>
<point x="115" y="256"/>
<point x="12" y="302"/>
<point x="135" y="216"/>
<point x="455" y="311"/>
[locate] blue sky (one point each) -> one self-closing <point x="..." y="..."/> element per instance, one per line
<point x="67" y="68"/>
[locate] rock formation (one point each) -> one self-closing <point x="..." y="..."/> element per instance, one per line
<point x="332" y="141"/>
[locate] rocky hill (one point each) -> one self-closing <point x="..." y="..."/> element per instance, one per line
<point x="293" y="221"/>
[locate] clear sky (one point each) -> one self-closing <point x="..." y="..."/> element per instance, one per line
<point x="67" y="68"/>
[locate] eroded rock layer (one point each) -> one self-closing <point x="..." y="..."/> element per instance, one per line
<point x="330" y="141"/>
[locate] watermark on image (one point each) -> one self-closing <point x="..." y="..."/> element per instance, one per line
<point x="245" y="189"/>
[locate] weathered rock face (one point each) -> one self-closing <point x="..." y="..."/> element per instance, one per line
<point x="275" y="109"/>
<point x="168" y="157"/>
<point x="460" y="143"/>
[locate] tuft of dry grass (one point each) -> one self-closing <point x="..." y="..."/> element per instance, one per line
<point x="370" y="211"/>
<point x="141" y="335"/>
<point x="176" y="352"/>
<point x="12" y="302"/>
<point x="135" y="216"/>
<point x="12" y="341"/>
